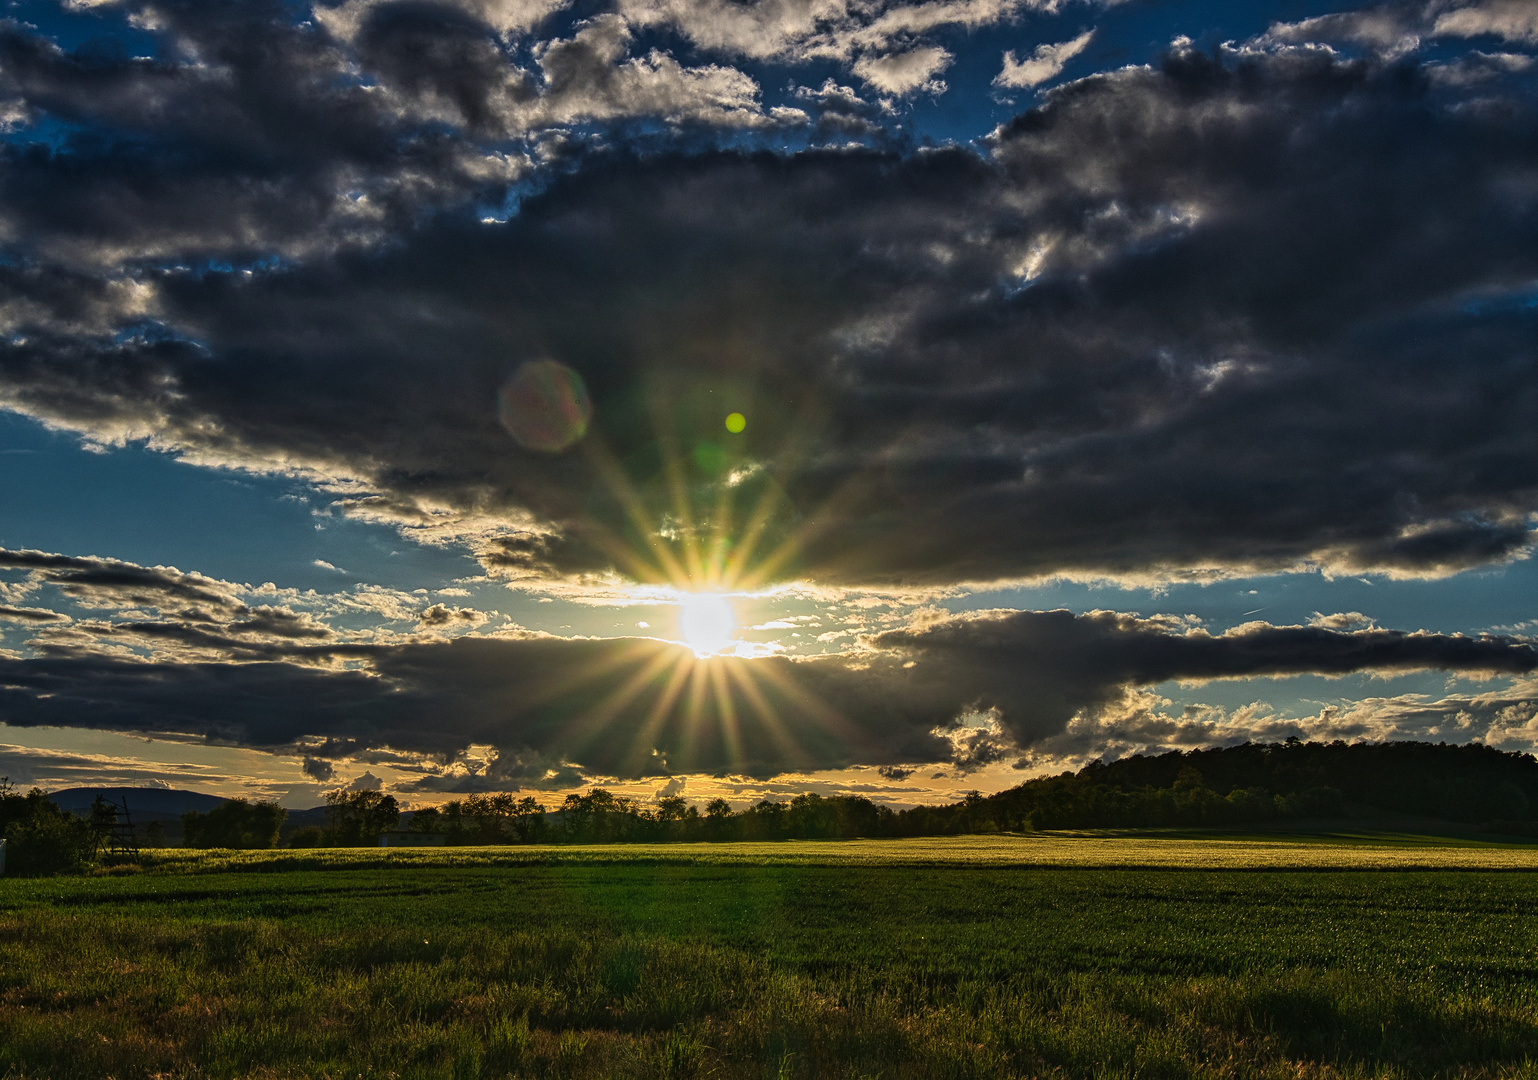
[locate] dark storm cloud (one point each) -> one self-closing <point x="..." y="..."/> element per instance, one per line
<point x="252" y="133"/>
<point x="318" y="769"/>
<point x="191" y="612"/>
<point x="96" y="581"/>
<point x="1040" y="669"/>
<point x="436" y="51"/>
<point x="506" y="770"/>
<point x="1251" y="312"/>
<point x="249" y="133"/>
<point x="971" y="690"/>
<point x="30" y="615"/>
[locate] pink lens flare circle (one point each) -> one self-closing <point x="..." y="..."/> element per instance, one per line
<point x="545" y="406"/>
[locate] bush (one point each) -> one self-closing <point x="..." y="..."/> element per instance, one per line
<point x="307" y="836"/>
<point x="42" y="839"/>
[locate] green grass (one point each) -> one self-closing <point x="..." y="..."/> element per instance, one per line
<point x="1130" y="957"/>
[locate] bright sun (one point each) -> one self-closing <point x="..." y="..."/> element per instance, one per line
<point x="706" y="622"/>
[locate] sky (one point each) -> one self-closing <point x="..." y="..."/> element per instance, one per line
<point x="719" y="398"/>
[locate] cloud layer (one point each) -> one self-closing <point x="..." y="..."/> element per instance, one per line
<point x="1247" y="312"/>
<point x="965" y="689"/>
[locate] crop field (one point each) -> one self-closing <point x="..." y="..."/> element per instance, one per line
<point x="1088" y="956"/>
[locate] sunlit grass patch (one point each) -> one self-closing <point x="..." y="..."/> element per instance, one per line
<point x="1081" y="849"/>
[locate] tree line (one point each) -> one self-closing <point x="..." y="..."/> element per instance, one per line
<point x="1253" y="782"/>
<point x="1250" y="783"/>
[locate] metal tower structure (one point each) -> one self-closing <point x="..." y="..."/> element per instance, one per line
<point x="116" y="837"/>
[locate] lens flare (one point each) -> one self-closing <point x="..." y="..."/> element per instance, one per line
<point x="545" y="406"/>
<point x="706" y="622"/>
<point x="736" y="422"/>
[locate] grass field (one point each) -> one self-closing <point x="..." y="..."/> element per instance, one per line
<point x="972" y="957"/>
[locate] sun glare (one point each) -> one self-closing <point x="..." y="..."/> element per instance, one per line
<point x="706" y="622"/>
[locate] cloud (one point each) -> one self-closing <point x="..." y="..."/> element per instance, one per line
<point x="586" y="78"/>
<point x="97" y="582"/>
<point x="1259" y="311"/>
<point x="1046" y="63"/>
<point x="838" y="112"/>
<point x="1397" y="29"/>
<point x="30" y="615"/>
<point x="1510" y="20"/>
<point x="1343" y="620"/>
<point x="1044" y="669"/>
<point x="497" y="770"/>
<point x="54" y="769"/>
<point x="254" y="135"/>
<point x="1144" y="723"/>
<point x="969" y="690"/>
<point x="903" y="73"/>
<point x="1388" y="30"/>
<point x="166" y="613"/>
<point x="801" y="30"/>
<point x="318" y="769"/>
<point x="441" y="616"/>
<point x="1478" y="67"/>
<point x="759" y="31"/>
<point x="348" y="19"/>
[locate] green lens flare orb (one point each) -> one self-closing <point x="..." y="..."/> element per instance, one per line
<point x="736" y="422"/>
<point x="545" y="406"/>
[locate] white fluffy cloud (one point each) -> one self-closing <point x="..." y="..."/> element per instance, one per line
<point x="826" y="29"/>
<point x="759" y="31"/>
<point x="1512" y="20"/>
<point x="1045" y="63"/>
<point x="588" y="77"/>
<point x="906" y="72"/>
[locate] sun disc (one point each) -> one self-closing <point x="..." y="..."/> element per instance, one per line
<point x="706" y="622"/>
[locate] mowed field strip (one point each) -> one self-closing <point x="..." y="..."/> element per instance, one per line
<point x="1170" y="852"/>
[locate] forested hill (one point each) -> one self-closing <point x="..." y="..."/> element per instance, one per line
<point x="1259" y="781"/>
<point x="1401" y="775"/>
<point x="1228" y="786"/>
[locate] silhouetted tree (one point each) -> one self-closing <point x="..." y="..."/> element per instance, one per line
<point x="234" y="823"/>
<point x="428" y="819"/>
<point x="358" y="817"/>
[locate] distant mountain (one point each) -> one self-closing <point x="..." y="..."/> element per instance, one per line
<point x="297" y="819"/>
<point x="143" y="802"/>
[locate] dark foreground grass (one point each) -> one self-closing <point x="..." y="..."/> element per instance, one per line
<point x="651" y="969"/>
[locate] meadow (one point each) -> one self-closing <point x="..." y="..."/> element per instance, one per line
<point x="1074" y="956"/>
